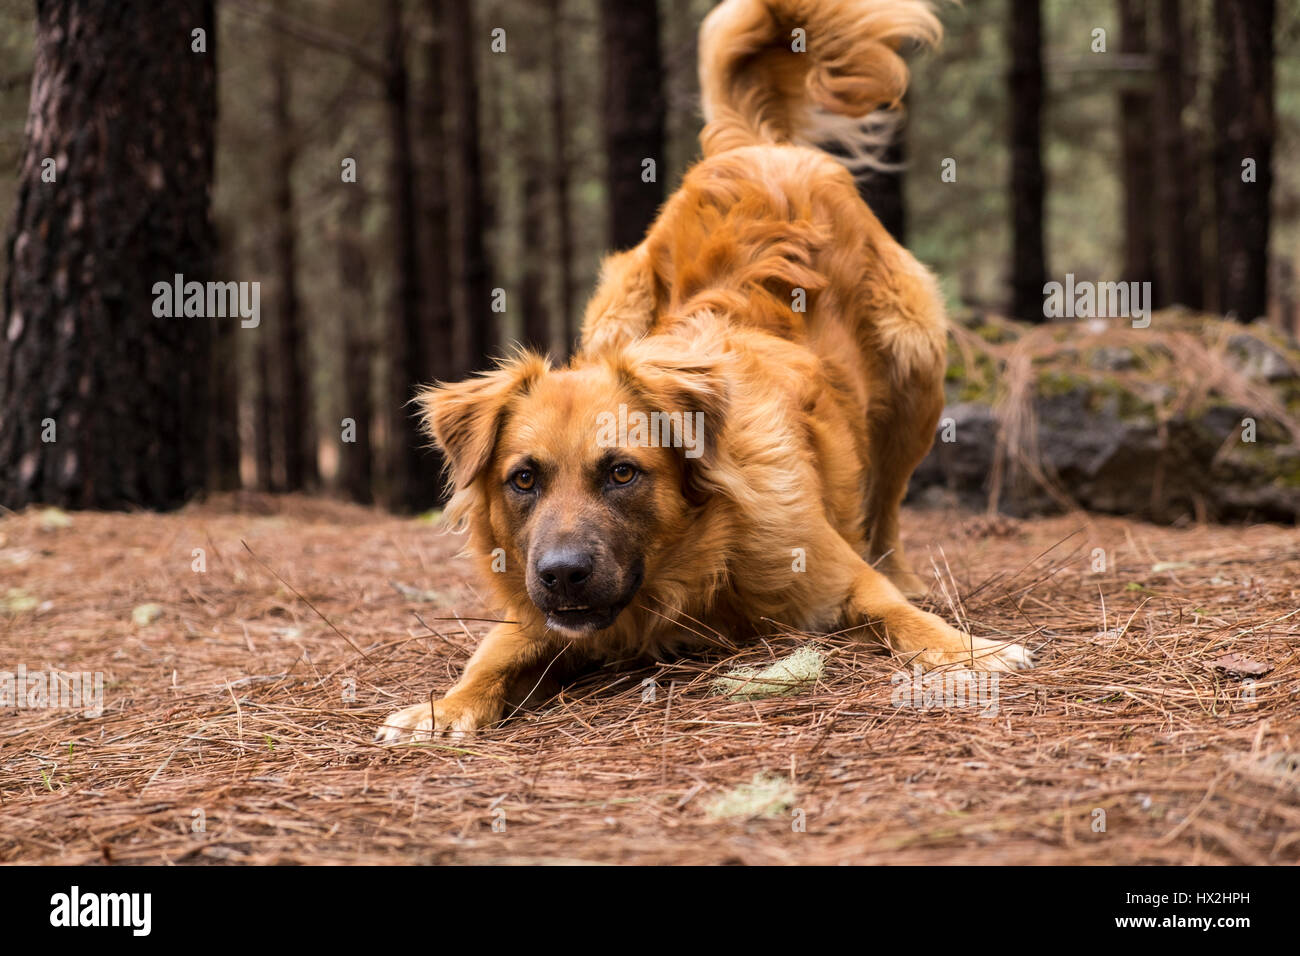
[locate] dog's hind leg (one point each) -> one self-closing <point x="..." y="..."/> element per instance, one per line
<point x="906" y="401"/>
<point x="918" y="636"/>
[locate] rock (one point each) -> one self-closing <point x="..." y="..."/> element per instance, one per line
<point x="1258" y="360"/>
<point x="937" y="498"/>
<point x="1120" y="431"/>
<point x="1108" y="359"/>
<point x="962" y="466"/>
<point x="1110" y="454"/>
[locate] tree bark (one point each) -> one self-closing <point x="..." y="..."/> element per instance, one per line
<point x="1244" y="130"/>
<point x="413" y="483"/>
<point x="1178" y="214"/>
<point x="633" y="117"/>
<point x="481" y="330"/>
<point x="264" y="414"/>
<point x="1027" y="186"/>
<point x="560" y="177"/>
<point x="223" y="449"/>
<point x="537" y="326"/>
<point x="1137" y="171"/>
<point x="127" y="111"/>
<point x="448" y="358"/>
<point x="298" y="427"/>
<point x="356" y="470"/>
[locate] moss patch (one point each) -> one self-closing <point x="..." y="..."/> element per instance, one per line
<point x="790" y="675"/>
<point x="764" y="796"/>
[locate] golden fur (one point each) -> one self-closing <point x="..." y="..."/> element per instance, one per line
<point x="814" y="418"/>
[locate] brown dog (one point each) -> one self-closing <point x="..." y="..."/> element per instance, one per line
<point x="757" y="380"/>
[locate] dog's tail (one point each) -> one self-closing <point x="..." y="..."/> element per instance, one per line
<point x="822" y="73"/>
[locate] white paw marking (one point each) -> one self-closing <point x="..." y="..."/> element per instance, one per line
<point x="1000" y="655"/>
<point x="408" y="724"/>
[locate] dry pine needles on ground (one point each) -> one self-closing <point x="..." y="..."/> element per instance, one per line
<point x="1162" y="725"/>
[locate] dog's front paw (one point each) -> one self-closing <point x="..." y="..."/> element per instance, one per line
<point x="454" y="716"/>
<point x="1006" y="656"/>
<point x="409" y="723"/>
<point x="956" y="648"/>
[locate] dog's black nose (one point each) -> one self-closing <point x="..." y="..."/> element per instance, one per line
<point x="565" y="571"/>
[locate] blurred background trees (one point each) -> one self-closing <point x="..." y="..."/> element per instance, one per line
<point x="498" y="149"/>
<point x="1026" y="186"/>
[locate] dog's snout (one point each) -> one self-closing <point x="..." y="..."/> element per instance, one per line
<point x="579" y="585"/>
<point x="565" y="571"/>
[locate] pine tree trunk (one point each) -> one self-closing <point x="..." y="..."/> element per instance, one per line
<point x="537" y="326"/>
<point x="356" y="458"/>
<point x="298" y="435"/>
<point x="482" y="332"/>
<point x="223" y="448"/>
<point x="1027" y="187"/>
<point x="413" y="483"/>
<point x="264" y="413"/>
<point x="447" y="359"/>
<point x="1244" y="130"/>
<point x="1137" y="171"/>
<point x="560" y="178"/>
<point x="633" y="117"/>
<point x="127" y="110"/>
<point x="1178" y="214"/>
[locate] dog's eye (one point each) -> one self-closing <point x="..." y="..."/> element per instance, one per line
<point x="622" y="473"/>
<point x="523" y="479"/>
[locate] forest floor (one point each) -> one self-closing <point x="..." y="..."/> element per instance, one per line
<point x="1162" y="724"/>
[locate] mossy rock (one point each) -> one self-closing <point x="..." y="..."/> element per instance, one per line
<point x="1121" y="428"/>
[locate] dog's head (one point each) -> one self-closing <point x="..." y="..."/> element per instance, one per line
<point x="586" y="477"/>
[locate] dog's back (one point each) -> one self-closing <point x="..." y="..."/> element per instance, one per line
<point x="768" y="229"/>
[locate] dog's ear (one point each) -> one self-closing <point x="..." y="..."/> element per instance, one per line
<point x="673" y="378"/>
<point x="463" y="418"/>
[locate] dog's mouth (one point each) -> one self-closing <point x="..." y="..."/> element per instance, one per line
<point x="582" y="618"/>
<point x="587" y="618"/>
